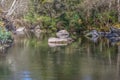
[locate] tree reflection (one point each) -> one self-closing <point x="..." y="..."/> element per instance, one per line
<point x="81" y="60"/>
<point x="118" y="64"/>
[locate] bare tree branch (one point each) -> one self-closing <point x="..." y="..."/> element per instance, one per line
<point x="12" y="8"/>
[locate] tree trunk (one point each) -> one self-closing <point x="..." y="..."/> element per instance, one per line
<point x="118" y="8"/>
<point x="2" y="2"/>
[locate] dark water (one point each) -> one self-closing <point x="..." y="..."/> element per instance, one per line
<point x="32" y="59"/>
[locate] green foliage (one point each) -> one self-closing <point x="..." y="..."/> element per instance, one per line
<point x="71" y="21"/>
<point x="46" y="21"/>
<point x="29" y="17"/>
<point x="4" y="35"/>
<point x="102" y="19"/>
<point x="74" y="15"/>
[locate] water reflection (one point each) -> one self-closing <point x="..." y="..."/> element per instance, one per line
<point x="57" y="44"/>
<point x="94" y="39"/>
<point x="81" y="60"/>
<point x="112" y="40"/>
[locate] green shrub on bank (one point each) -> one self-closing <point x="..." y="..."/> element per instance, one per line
<point x="4" y="35"/>
<point x="74" y="16"/>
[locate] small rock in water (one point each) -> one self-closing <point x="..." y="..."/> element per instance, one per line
<point x="62" y="34"/>
<point x="20" y="29"/>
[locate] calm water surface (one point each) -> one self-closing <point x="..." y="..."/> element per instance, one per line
<point x="31" y="59"/>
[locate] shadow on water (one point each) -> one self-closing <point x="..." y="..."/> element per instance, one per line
<point x="34" y="59"/>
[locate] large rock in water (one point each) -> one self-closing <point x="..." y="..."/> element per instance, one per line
<point x="62" y="34"/>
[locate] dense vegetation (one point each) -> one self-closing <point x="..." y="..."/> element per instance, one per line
<point x="73" y="15"/>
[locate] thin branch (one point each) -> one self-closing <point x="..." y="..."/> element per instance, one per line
<point x="12" y="8"/>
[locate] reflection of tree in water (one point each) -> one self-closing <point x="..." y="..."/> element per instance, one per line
<point x="103" y="52"/>
<point x="67" y="60"/>
<point x="54" y="62"/>
<point x="118" y="64"/>
<point x="5" y="72"/>
<point x="65" y="66"/>
<point x="80" y="60"/>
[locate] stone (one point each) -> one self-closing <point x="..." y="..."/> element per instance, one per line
<point x="112" y="35"/>
<point x="93" y="33"/>
<point x="62" y="34"/>
<point x="20" y="30"/>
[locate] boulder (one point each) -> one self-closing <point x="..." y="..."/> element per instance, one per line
<point x="20" y="30"/>
<point x="62" y="34"/>
<point x="93" y="34"/>
<point x="110" y="35"/>
<point x="37" y="29"/>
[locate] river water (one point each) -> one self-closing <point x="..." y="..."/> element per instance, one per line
<point x="33" y="59"/>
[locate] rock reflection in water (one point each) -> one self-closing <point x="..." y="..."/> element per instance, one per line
<point x="94" y="39"/>
<point x="82" y="60"/>
<point x="57" y="44"/>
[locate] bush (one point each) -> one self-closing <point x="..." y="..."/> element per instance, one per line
<point x="4" y="35"/>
